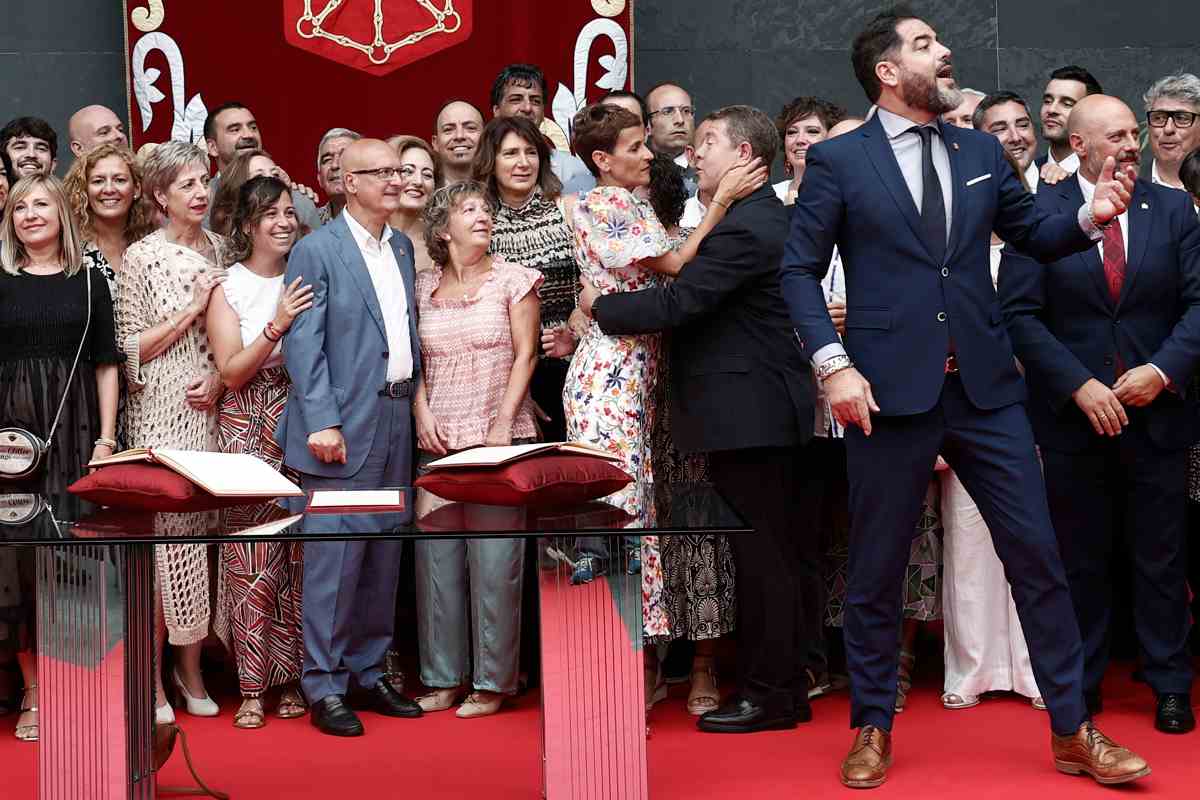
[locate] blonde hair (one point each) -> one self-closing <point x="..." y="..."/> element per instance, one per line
<point x="138" y="222"/>
<point x="12" y="250"/>
<point x="164" y="163"/>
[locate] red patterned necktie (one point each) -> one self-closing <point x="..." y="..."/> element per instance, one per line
<point x="1114" y="259"/>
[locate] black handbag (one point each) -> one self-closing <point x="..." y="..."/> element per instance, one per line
<point x="22" y="452"/>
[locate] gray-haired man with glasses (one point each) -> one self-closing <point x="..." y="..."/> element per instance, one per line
<point x="1172" y="105"/>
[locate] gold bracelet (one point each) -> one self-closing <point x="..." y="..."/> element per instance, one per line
<point x="111" y="444"/>
<point x="722" y="205"/>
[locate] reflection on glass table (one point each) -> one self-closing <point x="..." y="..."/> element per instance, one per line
<point x="94" y="587"/>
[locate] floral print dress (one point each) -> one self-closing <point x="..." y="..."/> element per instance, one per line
<point x="609" y="393"/>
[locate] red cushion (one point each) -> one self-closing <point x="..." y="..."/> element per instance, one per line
<point x="149" y="487"/>
<point x="551" y="479"/>
<point x="463" y="518"/>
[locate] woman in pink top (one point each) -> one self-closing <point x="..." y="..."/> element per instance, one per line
<point x="479" y="328"/>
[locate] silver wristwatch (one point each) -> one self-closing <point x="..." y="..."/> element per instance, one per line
<point x="832" y="365"/>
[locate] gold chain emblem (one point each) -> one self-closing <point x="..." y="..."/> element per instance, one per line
<point x="445" y="20"/>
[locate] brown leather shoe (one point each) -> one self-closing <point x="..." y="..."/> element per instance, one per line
<point x="866" y="764"/>
<point x="1090" y="751"/>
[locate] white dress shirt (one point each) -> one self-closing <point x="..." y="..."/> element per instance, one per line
<point x="906" y="146"/>
<point x="1088" y="188"/>
<point x="1068" y="164"/>
<point x="389" y="290"/>
<point x="1032" y="176"/>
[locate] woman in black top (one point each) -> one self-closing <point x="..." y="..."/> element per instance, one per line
<point x="43" y="314"/>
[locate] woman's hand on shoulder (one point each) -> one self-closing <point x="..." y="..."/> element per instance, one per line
<point x="294" y="300"/>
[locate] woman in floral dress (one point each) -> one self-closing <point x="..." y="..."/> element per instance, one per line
<point x="622" y="247"/>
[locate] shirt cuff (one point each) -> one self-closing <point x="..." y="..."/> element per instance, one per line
<point x="1166" y="381"/>
<point x="1090" y="229"/>
<point x="827" y="352"/>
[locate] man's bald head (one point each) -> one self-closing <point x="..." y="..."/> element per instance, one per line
<point x="1100" y="127"/>
<point x="94" y="125"/>
<point x="368" y="193"/>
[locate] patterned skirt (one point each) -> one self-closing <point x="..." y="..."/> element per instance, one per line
<point x="259" y="584"/>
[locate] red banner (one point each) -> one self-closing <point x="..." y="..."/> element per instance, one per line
<point x="380" y="67"/>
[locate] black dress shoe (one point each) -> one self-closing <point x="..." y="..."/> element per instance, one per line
<point x="1175" y="713"/>
<point x="383" y="699"/>
<point x="1094" y="702"/>
<point x="740" y="715"/>
<point x="331" y="716"/>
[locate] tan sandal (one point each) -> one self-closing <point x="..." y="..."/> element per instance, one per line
<point x="703" y="696"/>
<point x="291" y="704"/>
<point x="28" y="731"/>
<point x="440" y="699"/>
<point x="250" y="716"/>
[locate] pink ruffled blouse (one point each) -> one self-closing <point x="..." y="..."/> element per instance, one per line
<point x="467" y="352"/>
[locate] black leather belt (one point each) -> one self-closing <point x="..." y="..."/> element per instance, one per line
<point x="396" y="390"/>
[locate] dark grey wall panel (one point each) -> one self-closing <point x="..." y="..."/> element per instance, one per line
<point x="803" y="46"/>
<point x="57" y="56"/>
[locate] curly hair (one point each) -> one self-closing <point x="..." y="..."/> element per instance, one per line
<point x="254" y="198"/>
<point x="139" y="222"/>
<point x="225" y="201"/>
<point x="437" y="215"/>
<point x="668" y="192"/>
<point x="806" y="106"/>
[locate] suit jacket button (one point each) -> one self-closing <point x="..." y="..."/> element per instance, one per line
<point x="941" y="317"/>
<point x="945" y="272"/>
<point x="1108" y="360"/>
<point x="385" y="354"/>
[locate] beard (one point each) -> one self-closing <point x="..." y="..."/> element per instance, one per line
<point x="921" y="92"/>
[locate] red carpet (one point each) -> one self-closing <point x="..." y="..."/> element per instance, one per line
<point x="999" y="749"/>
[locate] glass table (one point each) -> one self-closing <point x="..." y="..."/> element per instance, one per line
<point x="94" y="587"/>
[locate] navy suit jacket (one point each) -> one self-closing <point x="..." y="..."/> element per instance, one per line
<point x="1066" y="329"/>
<point x="336" y="352"/>
<point x="903" y="307"/>
<point x="738" y="379"/>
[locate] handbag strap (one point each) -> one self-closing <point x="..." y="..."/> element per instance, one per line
<point x="87" y="324"/>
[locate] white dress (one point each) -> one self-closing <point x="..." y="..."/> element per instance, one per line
<point x="984" y="645"/>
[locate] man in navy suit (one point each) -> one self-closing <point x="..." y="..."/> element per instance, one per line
<point x="348" y="425"/>
<point x="911" y="204"/>
<point x="1110" y="339"/>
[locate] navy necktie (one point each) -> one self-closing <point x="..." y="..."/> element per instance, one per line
<point x="933" y="204"/>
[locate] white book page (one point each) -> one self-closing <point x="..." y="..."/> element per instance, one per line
<point x="352" y="498"/>
<point x="229" y="474"/>
<point x="485" y="456"/>
<point x="270" y="528"/>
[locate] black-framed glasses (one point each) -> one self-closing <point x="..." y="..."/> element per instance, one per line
<point x="670" y="111"/>
<point x="380" y="173"/>
<point x="1183" y="119"/>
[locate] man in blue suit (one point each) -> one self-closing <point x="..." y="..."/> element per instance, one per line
<point x="1110" y="339"/>
<point x="353" y="359"/>
<point x="911" y="203"/>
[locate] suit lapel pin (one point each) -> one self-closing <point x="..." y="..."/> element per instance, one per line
<point x="954" y="145"/>
<point x="1145" y="206"/>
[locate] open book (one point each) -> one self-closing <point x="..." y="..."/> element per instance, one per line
<point x="355" y="501"/>
<point x="219" y="474"/>
<point x="495" y="456"/>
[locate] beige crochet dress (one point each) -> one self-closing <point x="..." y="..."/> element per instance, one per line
<point x="156" y="281"/>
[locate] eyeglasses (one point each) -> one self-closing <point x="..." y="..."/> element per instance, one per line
<point x="670" y="111"/>
<point x="1183" y="119"/>
<point x="380" y="173"/>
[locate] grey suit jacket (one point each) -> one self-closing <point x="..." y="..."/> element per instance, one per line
<point x="336" y="352"/>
